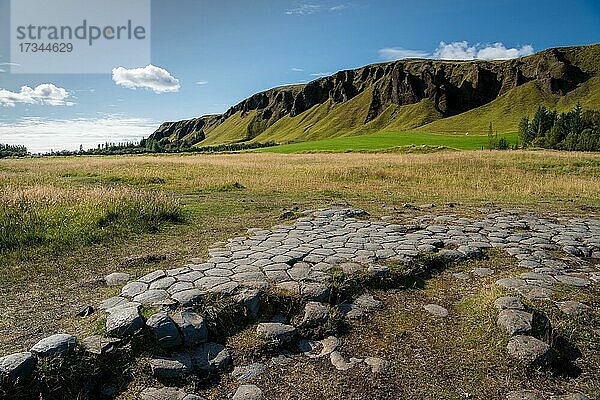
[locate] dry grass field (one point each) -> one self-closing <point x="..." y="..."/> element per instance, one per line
<point x="67" y="222"/>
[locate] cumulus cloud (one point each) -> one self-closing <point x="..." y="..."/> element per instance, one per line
<point x="149" y="77"/>
<point x="44" y="94"/>
<point x="459" y="51"/>
<point x="314" y="8"/>
<point x="464" y="51"/>
<point x="41" y="135"/>
<point x="398" y="53"/>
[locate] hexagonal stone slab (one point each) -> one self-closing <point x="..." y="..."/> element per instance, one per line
<point x="178" y="366"/>
<point x="123" y="321"/>
<point x="192" y="326"/>
<point x="275" y="331"/>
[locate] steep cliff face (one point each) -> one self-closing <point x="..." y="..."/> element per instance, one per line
<point x="453" y="87"/>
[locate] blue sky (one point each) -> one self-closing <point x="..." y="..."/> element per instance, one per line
<point x="236" y="48"/>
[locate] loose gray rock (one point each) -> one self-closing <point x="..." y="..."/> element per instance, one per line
<point x="482" y="272"/>
<point x="436" y="310"/>
<point x="167" y="393"/>
<point x="462" y="276"/>
<point x="112" y="302"/>
<point x="314" y="314"/>
<point x="99" y="345"/>
<point x="515" y="322"/>
<point x="351" y="311"/>
<point x="192" y="326"/>
<point x="117" y="279"/>
<point x="529" y="350"/>
<point x="123" y="321"/>
<point x="164" y="329"/>
<point x="17" y="367"/>
<point x="509" y="303"/>
<point x="351" y="268"/>
<point x="178" y="366"/>
<point x="379" y="271"/>
<point x="250" y="300"/>
<point x="572" y="280"/>
<point x="248" y="392"/>
<point x="377" y="364"/>
<point x="210" y="357"/>
<point x="571" y="396"/>
<point x="55" y="345"/>
<point x="338" y="361"/>
<point x="524" y="395"/>
<point x="367" y="302"/>
<point x="573" y="308"/>
<point x="249" y="372"/>
<point x="276" y="332"/>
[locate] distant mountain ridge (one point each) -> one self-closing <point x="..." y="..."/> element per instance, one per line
<point x="434" y="95"/>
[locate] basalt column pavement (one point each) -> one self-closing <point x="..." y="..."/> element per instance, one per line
<point x="298" y="258"/>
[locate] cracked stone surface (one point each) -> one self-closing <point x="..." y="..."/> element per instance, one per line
<point x="297" y="256"/>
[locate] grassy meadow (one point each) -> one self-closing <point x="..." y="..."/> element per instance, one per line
<point x="66" y="222"/>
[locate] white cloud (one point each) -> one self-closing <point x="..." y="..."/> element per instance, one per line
<point x="398" y="53"/>
<point x="298" y="69"/>
<point x="150" y="77"/>
<point x="201" y="82"/>
<point x="464" y="51"/>
<point x="41" y="135"/>
<point x="44" y="94"/>
<point x="314" y="8"/>
<point x="320" y="74"/>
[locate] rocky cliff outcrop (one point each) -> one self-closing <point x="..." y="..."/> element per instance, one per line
<point x="452" y="86"/>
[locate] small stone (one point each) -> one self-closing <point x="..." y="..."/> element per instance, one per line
<point x="55" y="345"/>
<point x="338" y="361"/>
<point x="164" y="329"/>
<point x="123" y="321"/>
<point x="571" y="396"/>
<point x="249" y="372"/>
<point x="167" y="393"/>
<point x="17" y="367"/>
<point x="573" y="308"/>
<point x="210" y="357"/>
<point x="192" y="326"/>
<point x="117" y="279"/>
<point x="463" y="276"/>
<point x="351" y="311"/>
<point x="482" y="272"/>
<point x="248" y="392"/>
<point x="529" y="350"/>
<point x="377" y="364"/>
<point x="178" y="366"/>
<point x="367" y="302"/>
<point x="314" y="314"/>
<point x="515" y="322"/>
<point x="509" y="303"/>
<point x="86" y="311"/>
<point x="99" y="345"/>
<point x="275" y="331"/>
<point x="436" y="310"/>
<point x="524" y="395"/>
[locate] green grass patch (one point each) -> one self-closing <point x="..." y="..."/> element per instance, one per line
<point x="388" y="141"/>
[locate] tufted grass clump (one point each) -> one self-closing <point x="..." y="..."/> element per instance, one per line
<point x="57" y="218"/>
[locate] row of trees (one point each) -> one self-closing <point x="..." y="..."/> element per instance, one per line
<point x="575" y="130"/>
<point x="12" y="150"/>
